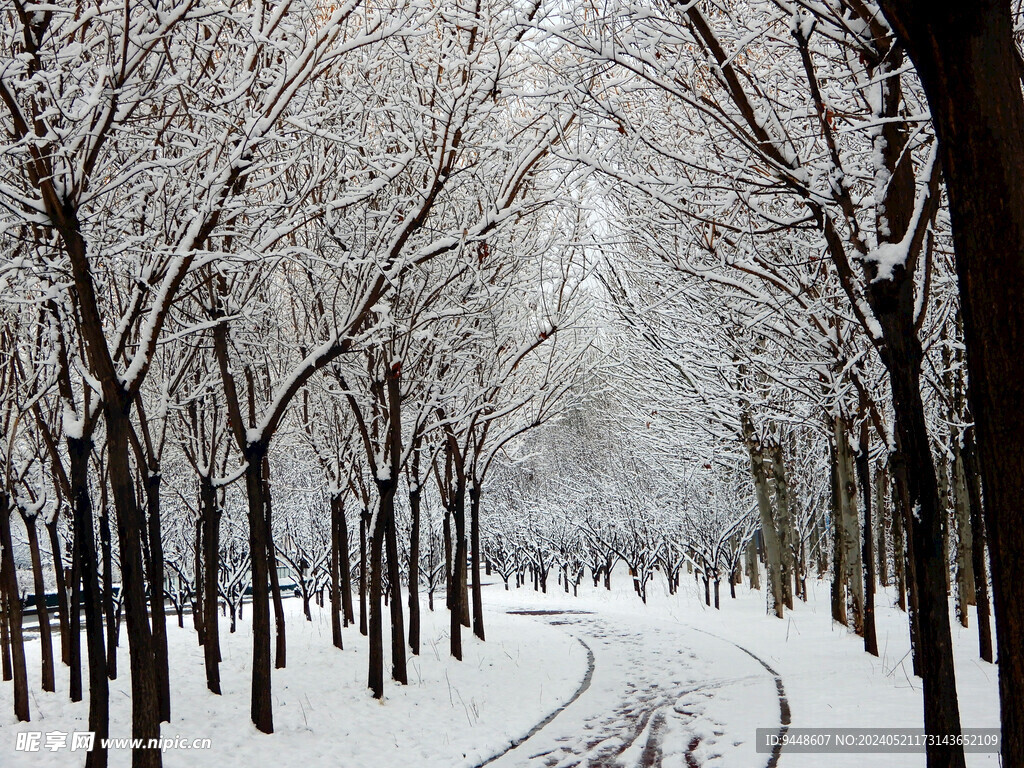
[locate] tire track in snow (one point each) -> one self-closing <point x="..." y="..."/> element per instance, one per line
<point x="584" y="685"/>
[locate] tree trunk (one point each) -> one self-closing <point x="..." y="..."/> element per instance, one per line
<point x="882" y="515"/>
<point x="399" y="669"/>
<point x="839" y="553"/>
<point x="62" y="593"/>
<point x="474" y="533"/>
<point x="107" y="553"/>
<point x="45" y="639"/>
<point x="785" y="523"/>
<point x="336" y="607"/>
<point x="376" y="620"/>
<point x="85" y="583"/>
<point x="978" y="550"/>
<point x="281" y="646"/>
<point x="211" y="513"/>
<point x="364" y="520"/>
<point x="157" y="599"/>
<point x="12" y="600"/>
<point x="457" y="592"/>
<point x="867" y="537"/>
<point x="414" y="568"/>
<point x="261" y="706"/>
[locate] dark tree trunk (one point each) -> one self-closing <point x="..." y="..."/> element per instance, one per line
<point x="142" y="657"/>
<point x="157" y="599"/>
<point x="9" y="583"/>
<point x="399" y="669"/>
<point x="364" y="521"/>
<point x="967" y="60"/>
<point x="85" y="582"/>
<point x="261" y="706"/>
<point x="45" y="638"/>
<point x="211" y="513"/>
<point x="474" y="533"/>
<point x="62" y="592"/>
<point x="867" y="544"/>
<point x="978" y="551"/>
<point x="346" y="568"/>
<point x="336" y="608"/>
<point x="414" y="571"/>
<point x="457" y="592"/>
<point x="281" y="646"/>
<point x="5" y="640"/>
<point x="375" y="675"/>
<point x="108" y="607"/>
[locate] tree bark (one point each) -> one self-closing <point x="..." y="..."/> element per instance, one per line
<point x="12" y="600"/>
<point x="967" y="60"/>
<point x="474" y="534"/>
<point x="45" y="638"/>
<point x="211" y="555"/>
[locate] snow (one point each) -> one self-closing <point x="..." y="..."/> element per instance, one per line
<point x="672" y="679"/>
<point x="451" y="714"/>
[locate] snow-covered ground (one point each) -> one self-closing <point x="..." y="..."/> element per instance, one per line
<point x="672" y="683"/>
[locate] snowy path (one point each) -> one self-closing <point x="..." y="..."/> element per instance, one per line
<point x="660" y="694"/>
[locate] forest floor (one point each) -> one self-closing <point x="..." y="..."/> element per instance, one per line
<point x="672" y="683"/>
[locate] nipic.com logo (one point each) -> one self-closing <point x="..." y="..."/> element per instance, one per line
<point x="85" y="741"/>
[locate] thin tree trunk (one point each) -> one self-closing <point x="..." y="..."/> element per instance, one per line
<point x="336" y="607"/>
<point x="414" y="566"/>
<point x="474" y="533"/>
<point x="867" y="554"/>
<point x="363" y="522"/>
<point x="281" y="647"/>
<point x="45" y="638"/>
<point x="62" y="593"/>
<point x="978" y="550"/>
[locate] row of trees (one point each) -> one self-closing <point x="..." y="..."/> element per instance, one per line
<point x="243" y="240"/>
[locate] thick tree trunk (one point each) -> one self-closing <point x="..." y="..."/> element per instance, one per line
<point x="785" y="523"/>
<point x="12" y="600"/>
<point x="967" y="60"/>
<point x="157" y="598"/>
<point x="769" y="530"/>
<point x="261" y="706"/>
<point x="142" y="657"/>
<point x="85" y="583"/>
<point x="211" y="513"/>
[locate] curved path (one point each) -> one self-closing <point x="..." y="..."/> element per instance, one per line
<point x="656" y="694"/>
